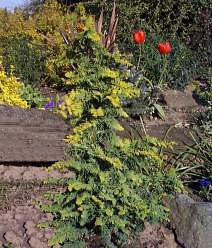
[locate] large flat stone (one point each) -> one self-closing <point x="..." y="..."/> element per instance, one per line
<point x="179" y="100"/>
<point x="31" y="135"/>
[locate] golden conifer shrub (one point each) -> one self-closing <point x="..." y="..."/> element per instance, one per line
<point x="119" y="182"/>
<point x="10" y="90"/>
<point x="39" y="32"/>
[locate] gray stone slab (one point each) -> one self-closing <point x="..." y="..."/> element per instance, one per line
<point x="192" y="222"/>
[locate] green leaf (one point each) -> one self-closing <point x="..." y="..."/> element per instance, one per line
<point x="160" y="110"/>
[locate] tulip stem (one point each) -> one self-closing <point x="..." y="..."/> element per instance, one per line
<point x="163" y="71"/>
<point x="139" y="58"/>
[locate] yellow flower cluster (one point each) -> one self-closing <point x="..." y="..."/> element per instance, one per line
<point x="106" y="72"/>
<point x="97" y="112"/>
<point x="13" y="25"/>
<point x="114" y="99"/>
<point x="94" y="36"/>
<point x="122" y="113"/>
<point x="152" y="154"/>
<point x="81" y="128"/>
<point x="10" y="91"/>
<point x="98" y="202"/>
<point x="42" y="29"/>
<point x="124" y="89"/>
<point x="78" y="131"/>
<point x="113" y="161"/>
<point x="76" y="185"/>
<point x="127" y="90"/>
<point x="115" y="124"/>
<point x="73" y="103"/>
<point x="73" y="139"/>
<point x="123" y="143"/>
<point x="73" y="77"/>
<point x="118" y="59"/>
<point x="160" y="143"/>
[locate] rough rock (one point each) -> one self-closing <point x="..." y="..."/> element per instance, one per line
<point x="179" y="100"/>
<point x="35" y="243"/>
<point x="192" y="221"/>
<point x="156" y="235"/>
<point x="14" y="239"/>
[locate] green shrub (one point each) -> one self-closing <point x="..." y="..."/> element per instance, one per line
<point x="27" y="59"/>
<point x="32" y="96"/>
<point x="119" y="183"/>
<point x="161" y="17"/>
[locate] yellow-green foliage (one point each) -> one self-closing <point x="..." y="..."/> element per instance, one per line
<point x="10" y="90"/>
<point x="42" y="29"/>
<point x="119" y="182"/>
<point x="15" y="25"/>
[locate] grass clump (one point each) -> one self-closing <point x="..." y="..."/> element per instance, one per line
<point x="119" y="183"/>
<point x="194" y="165"/>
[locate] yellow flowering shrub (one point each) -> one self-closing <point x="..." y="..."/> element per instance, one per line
<point x="119" y="183"/>
<point x="43" y="27"/>
<point x="10" y="90"/>
<point x="15" y="25"/>
<point x="41" y="30"/>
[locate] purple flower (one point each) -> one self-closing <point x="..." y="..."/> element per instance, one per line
<point x="49" y="105"/>
<point x="205" y="182"/>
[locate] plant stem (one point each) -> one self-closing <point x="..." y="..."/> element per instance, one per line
<point x="163" y="71"/>
<point x="149" y="81"/>
<point x="142" y="123"/>
<point x="139" y="59"/>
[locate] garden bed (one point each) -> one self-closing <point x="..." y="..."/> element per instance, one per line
<point x="21" y="175"/>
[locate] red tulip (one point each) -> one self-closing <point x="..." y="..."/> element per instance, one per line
<point x="139" y="36"/>
<point x="164" y="48"/>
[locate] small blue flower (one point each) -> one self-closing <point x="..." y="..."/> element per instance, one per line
<point x="49" y="105"/>
<point x="205" y="182"/>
